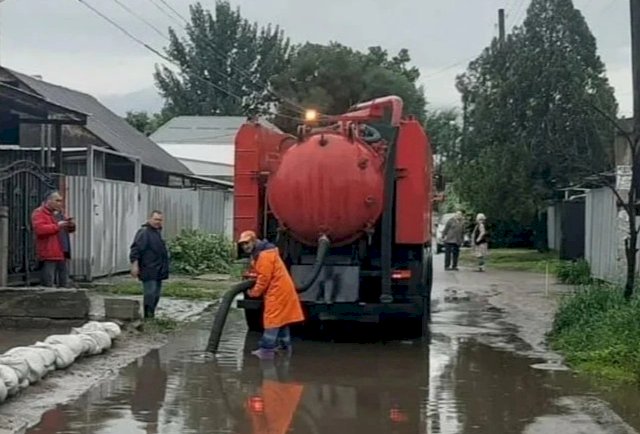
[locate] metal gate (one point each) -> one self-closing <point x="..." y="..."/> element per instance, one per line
<point x="23" y="185"/>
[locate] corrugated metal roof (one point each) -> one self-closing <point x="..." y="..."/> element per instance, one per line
<point x="206" y="130"/>
<point x="220" y="153"/>
<point x="106" y="125"/>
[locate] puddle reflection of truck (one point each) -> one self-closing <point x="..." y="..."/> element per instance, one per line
<point x="360" y="394"/>
<point x="361" y="182"/>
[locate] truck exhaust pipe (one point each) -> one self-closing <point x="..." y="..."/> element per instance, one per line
<point x="227" y="299"/>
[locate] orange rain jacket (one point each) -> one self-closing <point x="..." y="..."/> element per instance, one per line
<point x="281" y="302"/>
<point x="280" y="404"/>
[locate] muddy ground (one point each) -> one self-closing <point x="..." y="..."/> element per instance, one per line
<point x="485" y="370"/>
<point x="25" y="410"/>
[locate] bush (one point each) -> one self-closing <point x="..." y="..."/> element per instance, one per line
<point x="574" y="272"/>
<point x="194" y="252"/>
<point x="598" y="331"/>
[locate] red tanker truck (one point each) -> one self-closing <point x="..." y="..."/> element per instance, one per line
<point x="348" y="203"/>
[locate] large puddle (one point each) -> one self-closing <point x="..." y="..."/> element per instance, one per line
<point x="460" y="381"/>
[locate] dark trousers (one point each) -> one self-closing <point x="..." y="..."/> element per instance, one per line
<point x="54" y="272"/>
<point x="271" y="338"/>
<point x="152" y="290"/>
<point x="451" y="254"/>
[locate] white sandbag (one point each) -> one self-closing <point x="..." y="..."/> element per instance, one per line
<point x="24" y="384"/>
<point x="9" y="377"/>
<point x="64" y="355"/>
<point x="93" y="348"/>
<point x="3" y="392"/>
<point x="37" y="365"/>
<point x="48" y="355"/>
<point x="18" y="364"/>
<point x="112" y="329"/>
<point x="102" y="338"/>
<point x="91" y="326"/>
<point x="73" y="342"/>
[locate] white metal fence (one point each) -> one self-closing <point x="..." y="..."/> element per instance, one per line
<point x="109" y="216"/>
<point x="601" y="234"/>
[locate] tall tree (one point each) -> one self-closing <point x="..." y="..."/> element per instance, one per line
<point x="533" y="115"/>
<point x="225" y="62"/>
<point x="331" y="78"/>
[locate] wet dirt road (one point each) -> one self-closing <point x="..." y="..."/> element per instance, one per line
<point x="472" y="375"/>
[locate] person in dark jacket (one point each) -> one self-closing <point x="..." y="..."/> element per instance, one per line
<point x="150" y="261"/>
<point x="50" y="231"/>
<point x="453" y="236"/>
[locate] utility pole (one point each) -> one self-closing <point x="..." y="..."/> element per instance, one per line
<point x="501" y="26"/>
<point x="631" y="243"/>
<point x="635" y="62"/>
<point x="1" y="27"/>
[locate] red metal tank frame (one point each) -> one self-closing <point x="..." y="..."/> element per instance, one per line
<point x="372" y="110"/>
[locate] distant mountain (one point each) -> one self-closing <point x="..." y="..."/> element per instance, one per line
<point x="142" y="100"/>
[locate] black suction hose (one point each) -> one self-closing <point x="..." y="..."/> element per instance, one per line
<point x="223" y="311"/>
<point x="230" y="295"/>
<point x="323" y="249"/>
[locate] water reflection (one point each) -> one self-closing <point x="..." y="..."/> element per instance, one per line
<point x="149" y="392"/>
<point x="453" y="385"/>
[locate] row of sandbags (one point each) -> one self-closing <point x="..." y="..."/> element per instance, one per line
<point x="23" y="366"/>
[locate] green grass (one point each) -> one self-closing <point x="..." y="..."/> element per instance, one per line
<point x="160" y="325"/>
<point x="515" y="260"/>
<point x="598" y="332"/>
<point x="179" y="288"/>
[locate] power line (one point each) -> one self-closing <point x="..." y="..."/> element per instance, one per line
<point x="164" y="2"/>
<point x="147" y="23"/>
<point x="153" y="50"/>
<point x="166" y="38"/>
<point x="215" y="50"/>
<point x="122" y="29"/>
<point x="446" y="68"/>
<point x="169" y="60"/>
<point x="164" y="11"/>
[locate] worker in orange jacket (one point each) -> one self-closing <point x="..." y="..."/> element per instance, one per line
<point x="281" y="303"/>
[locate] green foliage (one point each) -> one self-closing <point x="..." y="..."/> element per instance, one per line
<point x="144" y="122"/>
<point x="530" y="121"/>
<point x="453" y="203"/>
<point x="445" y="132"/>
<point x="516" y="260"/>
<point x="216" y="48"/>
<point x="574" y="272"/>
<point x="231" y="66"/>
<point x="194" y="252"/>
<point x="331" y="78"/>
<point x="160" y="325"/>
<point x="598" y="331"/>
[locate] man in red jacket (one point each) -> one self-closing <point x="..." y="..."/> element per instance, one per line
<point x="49" y="248"/>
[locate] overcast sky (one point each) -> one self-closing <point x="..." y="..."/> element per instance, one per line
<point x="69" y="45"/>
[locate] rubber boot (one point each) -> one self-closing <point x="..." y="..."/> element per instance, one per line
<point x="147" y="313"/>
<point x="264" y="354"/>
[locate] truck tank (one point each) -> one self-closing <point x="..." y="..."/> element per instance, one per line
<point x="328" y="185"/>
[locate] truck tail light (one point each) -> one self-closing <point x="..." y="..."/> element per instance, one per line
<point x="256" y="404"/>
<point x="398" y="416"/>
<point x="401" y="274"/>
